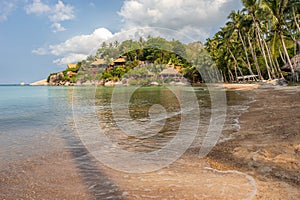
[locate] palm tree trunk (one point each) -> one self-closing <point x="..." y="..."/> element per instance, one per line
<point x="295" y="20"/>
<point x="263" y="53"/>
<point x="287" y="54"/>
<point x="254" y="58"/>
<point x="272" y="64"/>
<point x="236" y="64"/>
<point x="279" y="70"/>
<point x="231" y="77"/>
<point x="259" y="38"/>
<point x="246" y="52"/>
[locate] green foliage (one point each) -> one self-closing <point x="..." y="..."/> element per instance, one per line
<point x="155" y="54"/>
<point x="254" y="39"/>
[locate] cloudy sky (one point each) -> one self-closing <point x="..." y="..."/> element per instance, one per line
<point x="39" y="37"/>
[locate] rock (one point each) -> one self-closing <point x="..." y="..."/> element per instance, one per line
<point x="273" y="83"/>
<point x="154" y="83"/>
<point x="56" y="79"/>
<point x="282" y="82"/>
<point x="119" y="83"/>
<point x="87" y="83"/>
<point x="109" y="83"/>
<point x="277" y="82"/>
<point x="181" y="84"/>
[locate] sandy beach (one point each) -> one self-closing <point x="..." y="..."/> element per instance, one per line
<point x="261" y="161"/>
<point x="267" y="146"/>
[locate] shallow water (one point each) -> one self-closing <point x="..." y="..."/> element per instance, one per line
<point x="37" y="122"/>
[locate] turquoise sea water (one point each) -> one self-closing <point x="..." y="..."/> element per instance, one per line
<point x="29" y="120"/>
<point x="37" y="121"/>
<point x="33" y="119"/>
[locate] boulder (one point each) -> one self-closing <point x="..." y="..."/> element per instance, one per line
<point x="154" y="83"/>
<point x="273" y="83"/>
<point x="109" y="83"/>
<point x="55" y="79"/>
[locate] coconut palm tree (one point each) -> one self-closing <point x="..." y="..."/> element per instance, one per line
<point x="254" y="9"/>
<point x="278" y="9"/>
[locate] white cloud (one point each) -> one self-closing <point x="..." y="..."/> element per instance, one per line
<point x="56" y="13"/>
<point x="57" y="27"/>
<point x="62" y="12"/>
<point x="76" y="48"/>
<point x="197" y="18"/>
<point x="6" y="7"/>
<point x="70" y="58"/>
<point x="40" y="51"/>
<point x="37" y="7"/>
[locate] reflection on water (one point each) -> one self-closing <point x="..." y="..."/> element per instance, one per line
<point x="37" y="122"/>
<point x="155" y="111"/>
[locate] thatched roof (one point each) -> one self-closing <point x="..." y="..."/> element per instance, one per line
<point x="98" y="62"/>
<point x="72" y="66"/>
<point x="169" y="71"/>
<point x="120" y="60"/>
<point x="295" y="62"/>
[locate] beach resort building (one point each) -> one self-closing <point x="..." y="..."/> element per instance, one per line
<point x="296" y="65"/>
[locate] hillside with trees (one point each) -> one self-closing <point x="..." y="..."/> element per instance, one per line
<point x="145" y="59"/>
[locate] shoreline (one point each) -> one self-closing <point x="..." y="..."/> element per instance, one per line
<point x="265" y="147"/>
<point x="259" y="150"/>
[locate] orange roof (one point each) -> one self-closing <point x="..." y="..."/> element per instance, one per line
<point x="72" y="66"/>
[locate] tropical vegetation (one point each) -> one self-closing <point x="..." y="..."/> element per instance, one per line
<point x="155" y="54"/>
<point x="258" y="40"/>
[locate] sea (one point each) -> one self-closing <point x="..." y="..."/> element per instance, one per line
<point x="127" y="129"/>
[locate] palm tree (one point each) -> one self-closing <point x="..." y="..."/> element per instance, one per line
<point x="237" y="25"/>
<point x="278" y="11"/>
<point x="253" y="7"/>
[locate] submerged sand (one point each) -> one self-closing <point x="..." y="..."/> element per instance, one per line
<point x="261" y="161"/>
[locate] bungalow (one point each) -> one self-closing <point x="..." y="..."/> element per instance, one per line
<point x="170" y="73"/>
<point x="296" y="65"/>
<point x="99" y="63"/>
<point x="120" y="61"/>
<point x="72" y="66"/>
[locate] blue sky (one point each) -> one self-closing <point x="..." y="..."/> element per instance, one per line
<point x="39" y="37"/>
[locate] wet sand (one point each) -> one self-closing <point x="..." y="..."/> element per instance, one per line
<point x="261" y="160"/>
<point x="268" y="145"/>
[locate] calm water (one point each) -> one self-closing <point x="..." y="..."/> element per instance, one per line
<point x="37" y="120"/>
<point x="29" y="119"/>
<point x="33" y="119"/>
<point x="31" y="116"/>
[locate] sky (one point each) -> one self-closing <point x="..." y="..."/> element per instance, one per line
<point x="39" y="37"/>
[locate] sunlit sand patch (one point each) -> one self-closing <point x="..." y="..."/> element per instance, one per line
<point x="186" y="179"/>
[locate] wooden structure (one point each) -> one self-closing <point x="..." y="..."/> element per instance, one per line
<point x="296" y="65"/>
<point x="170" y="73"/>
<point x="120" y="61"/>
<point x="72" y="66"/>
<point x="247" y="77"/>
<point x="99" y="63"/>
